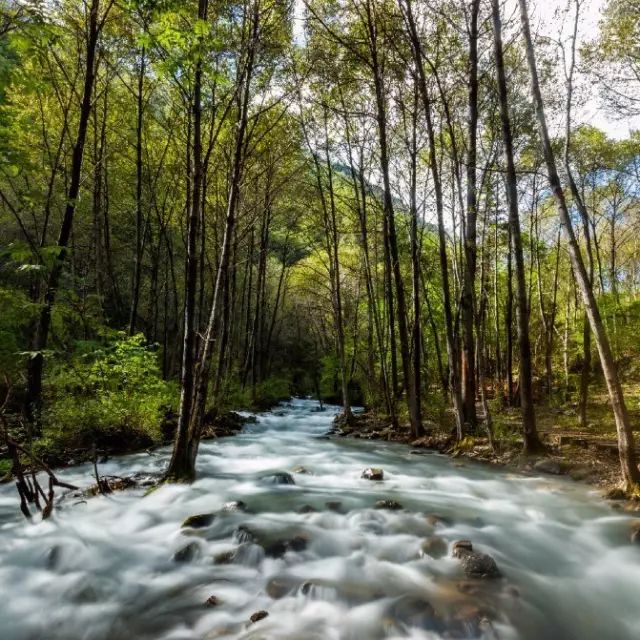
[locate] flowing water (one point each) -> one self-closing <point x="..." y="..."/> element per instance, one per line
<point x="104" y="568"/>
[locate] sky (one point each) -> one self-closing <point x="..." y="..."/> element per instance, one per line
<point x="549" y="18"/>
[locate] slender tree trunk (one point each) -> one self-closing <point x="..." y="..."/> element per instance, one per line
<point x="531" y="440"/>
<point x="452" y="352"/>
<point x="35" y="367"/>
<point x="203" y="367"/>
<point x="470" y="223"/>
<point x="508" y="321"/>
<point x="137" y="263"/>
<point x="181" y="467"/>
<point x="626" y="448"/>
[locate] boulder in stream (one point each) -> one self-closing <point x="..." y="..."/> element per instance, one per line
<point x="198" y="521"/>
<point x="391" y="505"/>
<point x="258" y="615"/>
<point x="434" y="547"/>
<point x="302" y="470"/>
<point x="278" y="548"/>
<point x="233" y="506"/>
<point x="634" y="535"/>
<point x="226" y="557"/>
<point x="187" y="553"/>
<point x="307" y="508"/>
<point x="475" y="564"/>
<point x="212" y="601"/>
<point x="281" y="586"/>
<point x="411" y="611"/>
<point x="373" y="473"/>
<point x="280" y="477"/>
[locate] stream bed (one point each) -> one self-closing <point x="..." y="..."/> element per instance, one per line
<point x="317" y="556"/>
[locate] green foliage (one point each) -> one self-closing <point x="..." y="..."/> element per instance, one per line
<point x="15" y="319"/>
<point x="112" y="396"/>
<point x="263" y="396"/>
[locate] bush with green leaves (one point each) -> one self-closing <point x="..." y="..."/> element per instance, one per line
<point x="110" y="396"/>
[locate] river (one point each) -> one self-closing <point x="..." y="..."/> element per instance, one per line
<point x="104" y="568"/>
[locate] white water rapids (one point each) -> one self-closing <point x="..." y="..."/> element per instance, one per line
<point x="104" y="569"/>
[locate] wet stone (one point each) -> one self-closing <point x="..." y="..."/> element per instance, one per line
<point x="257" y="616"/>
<point x="187" y="553"/>
<point x="53" y="556"/>
<point x="199" y="521"/>
<point x="280" y="587"/>
<point x="548" y="465"/>
<point x="471" y="621"/>
<point x="391" y="505"/>
<point x="227" y="557"/>
<point x="474" y="564"/>
<point x="234" y="505"/>
<point x="335" y="505"/>
<point x="281" y="477"/>
<point x="634" y="535"/>
<point x="373" y="473"/>
<point x="278" y="548"/>
<point x="302" y="470"/>
<point x="411" y="611"/>
<point x="434" y="547"/>
<point x="615" y="494"/>
<point x="435" y="519"/>
<point x="244" y="534"/>
<point x="307" y="508"/>
<point x="212" y="601"/>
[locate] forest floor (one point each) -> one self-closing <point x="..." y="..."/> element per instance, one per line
<point x="584" y="455"/>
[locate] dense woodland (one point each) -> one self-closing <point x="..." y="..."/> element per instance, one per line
<point x="215" y="204"/>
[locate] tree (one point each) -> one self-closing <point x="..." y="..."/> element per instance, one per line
<point x="628" y="463"/>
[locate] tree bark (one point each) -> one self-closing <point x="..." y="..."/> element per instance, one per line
<point x="531" y="440"/>
<point x="182" y="467"/>
<point x="35" y="366"/>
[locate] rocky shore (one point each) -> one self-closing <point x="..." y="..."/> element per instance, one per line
<point x="564" y="455"/>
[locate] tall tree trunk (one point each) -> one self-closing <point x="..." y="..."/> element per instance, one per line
<point x="181" y="468"/>
<point x="35" y="366"/>
<point x="532" y="442"/>
<point x="193" y="431"/>
<point x="137" y="263"/>
<point x="470" y="223"/>
<point x="452" y="351"/>
<point x="416" y="329"/>
<point x="626" y="448"/>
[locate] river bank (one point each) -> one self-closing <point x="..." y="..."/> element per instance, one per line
<point x="566" y="455"/>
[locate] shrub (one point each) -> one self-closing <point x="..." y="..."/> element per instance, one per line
<point x="111" y="396"/>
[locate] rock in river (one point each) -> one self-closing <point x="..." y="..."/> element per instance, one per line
<point x="187" y="553"/>
<point x="392" y="505"/>
<point x="234" y="505"/>
<point x="373" y="473"/>
<point x="474" y="564"/>
<point x="280" y="477"/>
<point x="198" y="521"/>
<point x="258" y="615"/>
<point x="434" y="547"/>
